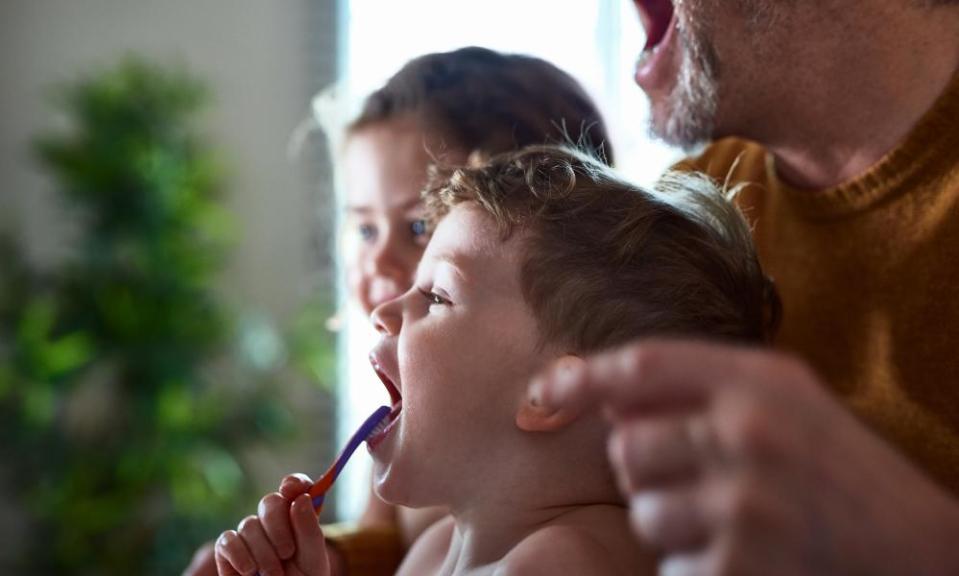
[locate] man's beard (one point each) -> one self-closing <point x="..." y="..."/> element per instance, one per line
<point x="688" y="117"/>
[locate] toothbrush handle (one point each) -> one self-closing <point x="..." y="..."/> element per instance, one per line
<point x="319" y="489"/>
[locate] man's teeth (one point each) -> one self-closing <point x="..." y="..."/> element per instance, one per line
<point x="645" y="55"/>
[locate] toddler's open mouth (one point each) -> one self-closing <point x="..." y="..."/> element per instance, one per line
<point x="396" y="398"/>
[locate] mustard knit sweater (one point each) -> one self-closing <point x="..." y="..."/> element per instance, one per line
<point x="868" y="272"/>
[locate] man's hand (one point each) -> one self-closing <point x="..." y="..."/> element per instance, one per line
<point x="284" y="539"/>
<point x="738" y="461"/>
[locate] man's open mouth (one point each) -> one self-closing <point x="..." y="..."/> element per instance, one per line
<point x="656" y="16"/>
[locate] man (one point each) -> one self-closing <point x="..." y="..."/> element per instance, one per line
<point x="740" y="461"/>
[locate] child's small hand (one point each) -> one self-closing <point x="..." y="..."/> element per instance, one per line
<point x="284" y="540"/>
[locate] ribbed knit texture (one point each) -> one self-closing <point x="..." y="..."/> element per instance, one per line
<point x="869" y="276"/>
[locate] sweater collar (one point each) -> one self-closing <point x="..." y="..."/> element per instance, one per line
<point x="929" y="152"/>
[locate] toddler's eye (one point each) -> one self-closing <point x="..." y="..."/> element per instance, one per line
<point x="433" y="298"/>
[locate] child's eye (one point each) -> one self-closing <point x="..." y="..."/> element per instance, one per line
<point x="367" y="231"/>
<point x="418" y="227"/>
<point x="433" y="298"/>
<point x="420" y="232"/>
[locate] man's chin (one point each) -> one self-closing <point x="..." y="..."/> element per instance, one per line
<point x="678" y="128"/>
<point x="684" y="113"/>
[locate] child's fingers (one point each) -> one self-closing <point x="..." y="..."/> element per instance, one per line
<point x="274" y="512"/>
<point x="259" y="545"/>
<point x="310" y="546"/>
<point x="292" y="569"/>
<point x="293" y="485"/>
<point x="203" y="562"/>
<point x="232" y="556"/>
<point x="223" y="567"/>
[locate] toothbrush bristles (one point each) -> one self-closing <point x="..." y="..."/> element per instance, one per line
<point x="380" y="427"/>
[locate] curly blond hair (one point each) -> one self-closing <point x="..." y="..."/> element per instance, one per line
<point x="606" y="261"/>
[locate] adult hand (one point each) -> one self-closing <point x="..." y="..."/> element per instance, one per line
<point x="738" y="461"/>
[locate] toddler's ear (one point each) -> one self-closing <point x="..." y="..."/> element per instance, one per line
<point x="532" y="417"/>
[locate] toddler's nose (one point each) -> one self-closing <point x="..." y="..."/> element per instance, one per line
<point x="387" y="317"/>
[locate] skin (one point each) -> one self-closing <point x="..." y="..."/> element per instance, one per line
<point x="778" y="79"/>
<point x="735" y="460"/>
<point x="284" y="539"/>
<point x="851" y="110"/>
<point x="385" y="167"/>
<point x="461" y="346"/>
<point x="465" y="298"/>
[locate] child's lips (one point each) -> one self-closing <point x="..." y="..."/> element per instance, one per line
<point x="396" y="398"/>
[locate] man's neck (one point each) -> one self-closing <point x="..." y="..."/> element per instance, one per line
<point x="862" y="103"/>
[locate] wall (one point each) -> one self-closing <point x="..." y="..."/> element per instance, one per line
<point x="263" y="61"/>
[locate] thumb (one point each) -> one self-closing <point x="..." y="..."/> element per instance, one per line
<point x="294" y="484"/>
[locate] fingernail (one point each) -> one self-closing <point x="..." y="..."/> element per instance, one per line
<point x="559" y="379"/>
<point x="645" y="509"/>
<point x="304" y="503"/>
<point x="296" y="478"/>
<point x="677" y="566"/>
<point x="536" y="391"/>
<point x="615" y="449"/>
<point x="564" y="380"/>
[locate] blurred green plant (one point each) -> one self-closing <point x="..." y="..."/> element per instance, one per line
<point x="125" y="448"/>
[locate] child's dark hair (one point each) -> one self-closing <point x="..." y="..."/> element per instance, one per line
<point x="607" y="262"/>
<point x="485" y="102"/>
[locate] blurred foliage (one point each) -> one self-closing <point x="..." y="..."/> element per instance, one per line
<point x="126" y="449"/>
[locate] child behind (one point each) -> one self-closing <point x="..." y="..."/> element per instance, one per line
<point x="441" y="107"/>
<point x="539" y="257"/>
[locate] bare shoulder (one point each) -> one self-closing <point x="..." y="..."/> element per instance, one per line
<point x="428" y="552"/>
<point x="558" y="550"/>
<point x="571" y="549"/>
